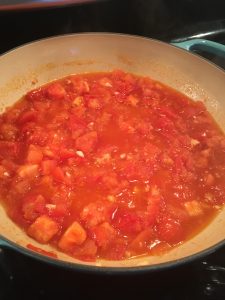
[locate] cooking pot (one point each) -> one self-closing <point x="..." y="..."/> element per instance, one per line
<point x="52" y="58"/>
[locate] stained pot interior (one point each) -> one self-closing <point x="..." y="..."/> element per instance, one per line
<point x="56" y="57"/>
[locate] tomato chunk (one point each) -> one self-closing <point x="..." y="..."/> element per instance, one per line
<point x="87" y="142"/>
<point x="28" y="116"/>
<point x="128" y="222"/>
<point x="43" y="229"/>
<point x="87" y="251"/>
<point x="33" y="207"/>
<point x="56" y="91"/>
<point x="34" y="155"/>
<point x="103" y="234"/>
<point x="28" y="171"/>
<point x="170" y="231"/>
<point x="48" y="166"/>
<point x="74" y="235"/>
<point x="97" y="212"/>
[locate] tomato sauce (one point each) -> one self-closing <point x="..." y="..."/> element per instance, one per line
<point x="110" y="165"/>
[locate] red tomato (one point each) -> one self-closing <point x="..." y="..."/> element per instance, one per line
<point x="48" y="166"/>
<point x="33" y="207"/>
<point x="128" y="222"/>
<point x="34" y="155"/>
<point x="28" y="116"/>
<point x="103" y="234"/>
<point x="55" y="91"/>
<point x="170" y="231"/>
<point x="98" y="212"/>
<point x="87" y="142"/>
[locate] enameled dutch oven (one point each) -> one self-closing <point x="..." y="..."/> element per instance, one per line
<point x="56" y="57"/>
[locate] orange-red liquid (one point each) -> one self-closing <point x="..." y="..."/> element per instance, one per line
<point x="138" y="166"/>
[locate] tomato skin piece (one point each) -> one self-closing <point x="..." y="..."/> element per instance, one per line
<point x="41" y="251"/>
<point x="170" y="231"/>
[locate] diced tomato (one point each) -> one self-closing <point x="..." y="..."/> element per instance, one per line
<point x="110" y="180"/>
<point x="43" y="229"/>
<point x="87" y="251"/>
<point x="8" y="149"/>
<point x="8" y="131"/>
<point x="28" y="171"/>
<point x="105" y="82"/>
<point x="153" y="209"/>
<point x="178" y="212"/>
<point x="103" y="234"/>
<point x="87" y="142"/>
<point x="47" y="166"/>
<point x="94" y="103"/>
<point x="98" y="212"/>
<point x="170" y="231"/>
<point x="50" y="153"/>
<point x="165" y="124"/>
<point x="38" y="136"/>
<point x="81" y="86"/>
<point x="33" y="207"/>
<point x="116" y="249"/>
<point x="141" y="241"/>
<point x="132" y="100"/>
<point x="128" y="222"/>
<point x="28" y="116"/>
<point x="9" y="165"/>
<point x="164" y="110"/>
<point x="34" y="94"/>
<point x="34" y="155"/>
<point x="55" y="91"/>
<point x="58" y="174"/>
<point x="76" y="125"/>
<point x="194" y="208"/>
<point x="57" y="211"/>
<point x="74" y="235"/>
<point x="67" y="153"/>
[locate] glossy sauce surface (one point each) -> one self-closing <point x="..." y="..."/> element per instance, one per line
<point x="110" y="165"/>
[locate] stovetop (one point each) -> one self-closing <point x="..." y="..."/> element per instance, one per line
<point x="24" y="278"/>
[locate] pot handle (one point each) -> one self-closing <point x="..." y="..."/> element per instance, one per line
<point x="3" y="244"/>
<point x="201" y="44"/>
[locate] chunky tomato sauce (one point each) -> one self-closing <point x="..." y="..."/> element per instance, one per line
<point x="110" y="165"/>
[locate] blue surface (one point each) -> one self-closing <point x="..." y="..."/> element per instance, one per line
<point x="202" y="45"/>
